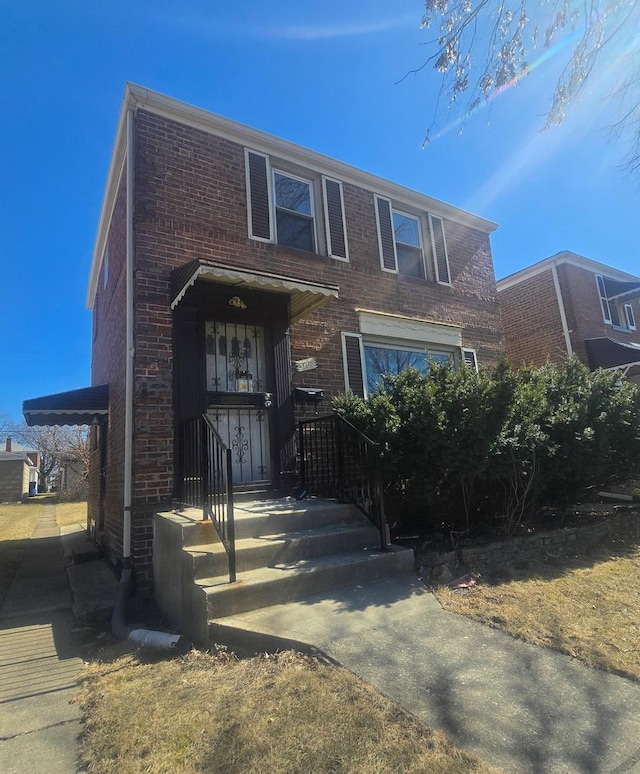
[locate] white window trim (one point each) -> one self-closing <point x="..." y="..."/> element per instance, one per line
<point x="247" y="151"/>
<point x="604" y="301"/>
<point x="464" y="351"/>
<point x="312" y="203"/>
<point x="407" y="345"/>
<point x="630" y="317"/>
<point x="419" y="223"/>
<point x="325" y="204"/>
<point x="434" y="254"/>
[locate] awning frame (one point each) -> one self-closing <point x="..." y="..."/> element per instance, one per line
<point x="305" y="297"/>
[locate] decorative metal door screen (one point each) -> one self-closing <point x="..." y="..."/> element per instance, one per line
<point x="235" y="361"/>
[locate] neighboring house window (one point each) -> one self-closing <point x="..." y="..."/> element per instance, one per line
<point x="619" y="315"/>
<point x="630" y="318"/>
<point x="282" y="208"/>
<point x="400" y="241"/>
<point x="469" y="359"/>
<point x="366" y="362"/>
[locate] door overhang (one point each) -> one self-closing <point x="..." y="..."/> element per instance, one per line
<point x="75" y="407"/>
<point x="611" y="354"/>
<point x="304" y="297"/>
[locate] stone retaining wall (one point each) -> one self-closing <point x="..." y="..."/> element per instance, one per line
<point x="436" y="567"/>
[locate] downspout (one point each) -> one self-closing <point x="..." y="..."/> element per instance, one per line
<point x="563" y="316"/>
<point x="119" y="626"/>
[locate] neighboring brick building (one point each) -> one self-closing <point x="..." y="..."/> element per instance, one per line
<point x="250" y="267"/>
<point x="568" y="305"/>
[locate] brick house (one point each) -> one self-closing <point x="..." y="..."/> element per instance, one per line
<point x="571" y="305"/>
<point x="241" y="276"/>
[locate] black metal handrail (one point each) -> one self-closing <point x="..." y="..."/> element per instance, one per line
<point x="205" y="480"/>
<point x="336" y="459"/>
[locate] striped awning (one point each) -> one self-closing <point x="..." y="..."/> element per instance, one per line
<point x="75" y="407"/>
<point x="609" y="353"/>
<point x="304" y="296"/>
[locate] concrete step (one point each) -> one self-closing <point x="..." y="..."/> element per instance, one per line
<point x="296" y="580"/>
<point x="274" y="517"/>
<point x="210" y="559"/>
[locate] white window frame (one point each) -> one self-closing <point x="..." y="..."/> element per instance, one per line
<point x="396" y="344"/>
<point x="419" y="223"/>
<point x="314" y="214"/>
<point x="604" y="301"/>
<point x="630" y="317"/>
<point x="468" y="350"/>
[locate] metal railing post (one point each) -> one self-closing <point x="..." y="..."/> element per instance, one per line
<point x="231" y="528"/>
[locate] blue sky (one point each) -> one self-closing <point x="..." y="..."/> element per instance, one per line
<point x="324" y="75"/>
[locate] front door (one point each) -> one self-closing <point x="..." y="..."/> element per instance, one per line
<point x="239" y="402"/>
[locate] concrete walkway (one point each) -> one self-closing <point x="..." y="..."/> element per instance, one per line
<point x="39" y="664"/>
<point x="522" y="708"/>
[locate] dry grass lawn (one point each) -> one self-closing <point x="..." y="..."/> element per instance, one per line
<point x="586" y="606"/>
<point x="17" y="522"/>
<point x="286" y="713"/>
<point x="70" y="514"/>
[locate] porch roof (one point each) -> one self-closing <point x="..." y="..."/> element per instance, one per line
<point x="304" y="296"/>
<point x="75" y="407"/>
<point x="610" y="353"/>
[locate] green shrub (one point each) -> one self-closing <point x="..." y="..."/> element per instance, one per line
<point x="460" y="448"/>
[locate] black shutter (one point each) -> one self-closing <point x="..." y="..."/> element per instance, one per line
<point x="385" y="232"/>
<point x="258" y="196"/>
<point x="442" y="264"/>
<point x="336" y="234"/>
<point x="353" y="376"/>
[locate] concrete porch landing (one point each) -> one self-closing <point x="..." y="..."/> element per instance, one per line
<point x="522" y="708"/>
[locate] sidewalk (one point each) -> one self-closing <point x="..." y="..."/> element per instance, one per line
<point x="39" y="663"/>
<point x="522" y="708"/>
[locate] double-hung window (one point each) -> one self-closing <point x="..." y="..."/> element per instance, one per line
<point x="287" y="208"/>
<point x="405" y="241"/>
<point x="408" y="243"/>
<point x="295" y="225"/>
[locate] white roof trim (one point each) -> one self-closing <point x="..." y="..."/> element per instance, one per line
<point x="566" y="256"/>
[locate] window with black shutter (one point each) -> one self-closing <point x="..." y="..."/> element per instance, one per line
<point x="440" y="257"/>
<point x="334" y="219"/>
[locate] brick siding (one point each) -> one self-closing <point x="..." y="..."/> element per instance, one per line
<point x="190" y="202"/>
<point x="532" y="322"/>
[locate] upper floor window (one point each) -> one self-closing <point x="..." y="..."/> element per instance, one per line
<point x="288" y="209"/>
<point x="406" y="229"/>
<point x="402" y="238"/>
<point x="295" y="225"/>
<point x="614" y="312"/>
